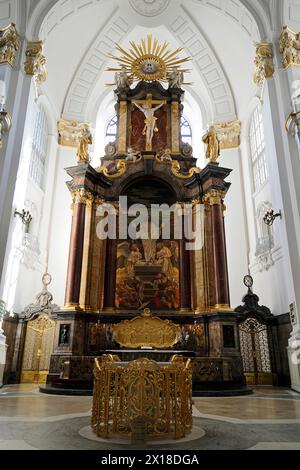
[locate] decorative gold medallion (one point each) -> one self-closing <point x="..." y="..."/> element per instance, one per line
<point x="149" y="60"/>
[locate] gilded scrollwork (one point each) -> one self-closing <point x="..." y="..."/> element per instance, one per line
<point x="176" y="170"/>
<point x="289" y="46"/>
<point x="147" y="331"/>
<point x="9" y="44"/>
<point x="120" y="169"/>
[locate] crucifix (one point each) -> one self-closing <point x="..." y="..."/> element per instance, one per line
<point x="150" y="122"/>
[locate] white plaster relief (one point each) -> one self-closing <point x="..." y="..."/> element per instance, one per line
<point x="207" y="64"/>
<point x="149" y="7"/>
<point x="236" y="12"/>
<point x="90" y="70"/>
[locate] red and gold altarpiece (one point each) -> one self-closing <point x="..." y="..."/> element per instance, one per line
<point x="112" y="280"/>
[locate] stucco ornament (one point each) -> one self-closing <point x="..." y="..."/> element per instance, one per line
<point x="149" y="7"/>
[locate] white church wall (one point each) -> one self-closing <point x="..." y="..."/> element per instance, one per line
<point x="60" y="225"/>
<point x="271" y="272"/>
<point x="9" y="281"/>
<point x="235" y="226"/>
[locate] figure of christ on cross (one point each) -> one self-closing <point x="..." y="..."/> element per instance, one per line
<point x="150" y="122"/>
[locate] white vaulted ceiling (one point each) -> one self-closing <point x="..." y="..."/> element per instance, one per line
<point x="218" y="34"/>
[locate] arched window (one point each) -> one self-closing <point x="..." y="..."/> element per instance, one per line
<point x="258" y="150"/>
<point x="39" y="148"/>
<point x="111" y="130"/>
<point x="185" y="131"/>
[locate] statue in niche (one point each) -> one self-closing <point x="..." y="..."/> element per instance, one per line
<point x="150" y="121"/>
<point x="83" y="147"/>
<point x="176" y="78"/>
<point x="122" y="80"/>
<point x="213" y="144"/>
<point x="64" y="337"/>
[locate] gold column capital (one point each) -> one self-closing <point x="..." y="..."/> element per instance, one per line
<point x="264" y="65"/>
<point x="289" y="46"/>
<point x="214" y="197"/>
<point x="70" y="132"/>
<point x="9" y="44"/>
<point x="35" y="63"/>
<point x="228" y="134"/>
<point x="82" y="196"/>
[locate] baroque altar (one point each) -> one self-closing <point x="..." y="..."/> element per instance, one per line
<point x="113" y="279"/>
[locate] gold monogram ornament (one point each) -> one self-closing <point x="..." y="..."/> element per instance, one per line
<point x="143" y="398"/>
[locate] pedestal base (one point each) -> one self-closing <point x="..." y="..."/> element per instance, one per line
<point x="294" y="364"/>
<point x="212" y="345"/>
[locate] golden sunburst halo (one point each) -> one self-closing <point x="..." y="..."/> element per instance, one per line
<point x="149" y="60"/>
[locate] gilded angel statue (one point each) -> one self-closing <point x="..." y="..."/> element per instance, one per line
<point x="83" y="146"/>
<point x="213" y="144"/>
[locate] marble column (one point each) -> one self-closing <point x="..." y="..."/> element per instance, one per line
<point x="76" y="250"/>
<point x="214" y="191"/>
<point x="85" y="277"/>
<point x="219" y="250"/>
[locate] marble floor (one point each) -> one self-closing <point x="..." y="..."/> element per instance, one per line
<point x="268" y="419"/>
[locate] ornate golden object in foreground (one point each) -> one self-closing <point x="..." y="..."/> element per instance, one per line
<point x="212" y="142"/>
<point x="9" y="44"/>
<point x="85" y="140"/>
<point x="264" y="65"/>
<point x="228" y="134"/>
<point x="214" y="197"/>
<point x="289" y="45"/>
<point x="147" y="331"/>
<point x="149" y="60"/>
<point x="35" y="64"/>
<point x="142" y="397"/>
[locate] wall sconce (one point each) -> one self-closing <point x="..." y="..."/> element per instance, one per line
<point x="270" y="217"/>
<point x="5" y="117"/>
<point x="292" y="124"/>
<point x="26" y="218"/>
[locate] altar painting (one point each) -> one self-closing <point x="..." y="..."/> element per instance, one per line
<point x="148" y="274"/>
